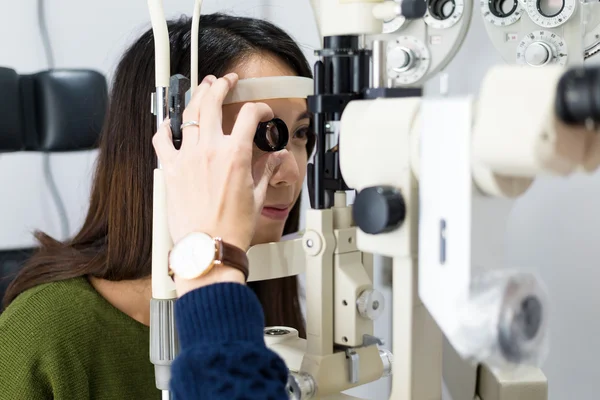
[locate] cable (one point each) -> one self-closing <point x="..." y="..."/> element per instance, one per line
<point x="60" y="206"/>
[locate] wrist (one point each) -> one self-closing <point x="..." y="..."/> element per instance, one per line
<point x="218" y="274"/>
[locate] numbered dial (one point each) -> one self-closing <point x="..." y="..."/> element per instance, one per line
<point x="443" y="14"/>
<point x="550" y="13"/>
<point x="407" y="60"/>
<point x="501" y="12"/>
<point x="592" y="37"/>
<point x="541" y="48"/>
<point x="394" y="25"/>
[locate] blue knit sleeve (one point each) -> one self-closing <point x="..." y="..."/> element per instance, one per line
<point x="223" y="355"/>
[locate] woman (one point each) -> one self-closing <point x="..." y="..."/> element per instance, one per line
<point x="220" y="323"/>
<point x="76" y="319"/>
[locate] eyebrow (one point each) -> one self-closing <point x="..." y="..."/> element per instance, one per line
<point x="304" y="115"/>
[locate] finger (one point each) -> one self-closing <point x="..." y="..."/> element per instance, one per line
<point x="211" y="106"/>
<point x="163" y="142"/>
<point x="262" y="176"/>
<point x="248" y="119"/>
<point x="192" y="111"/>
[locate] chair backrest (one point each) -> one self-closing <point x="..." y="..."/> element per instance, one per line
<point x="10" y="264"/>
<point x="59" y="110"/>
<point x="51" y="111"/>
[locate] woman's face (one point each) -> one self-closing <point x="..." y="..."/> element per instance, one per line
<point x="286" y="184"/>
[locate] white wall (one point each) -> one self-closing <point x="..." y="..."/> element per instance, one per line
<point x="550" y="231"/>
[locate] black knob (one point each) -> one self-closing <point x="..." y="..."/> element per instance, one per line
<point x="413" y="9"/>
<point x="578" y="96"/>
<point x="379" y="209"/>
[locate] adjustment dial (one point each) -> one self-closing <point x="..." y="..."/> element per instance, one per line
<point x="370" y="304"/>
<point x="394" y="24"/>
<point x="501" y="12"/>
<point x="379" y="209"/>
<point x="407" y="60"/>
<point x="443" y="14"/>
<point x="550" y="13"/>
<point x="591" y="39"/>
<point x="541" y="48"/>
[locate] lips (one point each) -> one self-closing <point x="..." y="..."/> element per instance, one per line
<point x="276" y="211"/>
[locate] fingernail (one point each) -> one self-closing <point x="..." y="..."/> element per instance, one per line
<point x="208" y="79"/>
<point x="231" y="78"/>
<point x="277" y="160"/>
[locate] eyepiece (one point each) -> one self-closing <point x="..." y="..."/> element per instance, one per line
<point x="271" y="135"/>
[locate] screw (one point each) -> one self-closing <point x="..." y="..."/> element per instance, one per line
<point x="375" y="305"/>
<point x="309" y="243"/>
<point x="276" y="332"/>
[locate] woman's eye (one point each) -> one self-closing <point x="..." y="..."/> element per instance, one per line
<point x="302" y="133"/>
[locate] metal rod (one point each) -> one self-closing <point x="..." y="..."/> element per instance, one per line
<point x="378" y="64"/>
<point x="320" y="132"/>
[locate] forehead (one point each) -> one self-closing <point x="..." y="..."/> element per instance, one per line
<point x="260" y="66"/>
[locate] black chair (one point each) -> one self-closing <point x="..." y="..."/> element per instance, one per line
<point x="50" y="111"/>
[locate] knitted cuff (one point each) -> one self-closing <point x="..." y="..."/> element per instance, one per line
<point x="218" y="313"/>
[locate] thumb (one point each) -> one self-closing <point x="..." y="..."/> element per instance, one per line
<point x="264" y="176"/>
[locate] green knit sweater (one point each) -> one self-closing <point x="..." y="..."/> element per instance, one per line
<point x="64" y="341"/>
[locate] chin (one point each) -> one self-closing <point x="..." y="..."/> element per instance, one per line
<point x="268" y="231"/>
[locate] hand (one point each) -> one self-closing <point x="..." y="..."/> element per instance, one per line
<point x="210" y="183"/>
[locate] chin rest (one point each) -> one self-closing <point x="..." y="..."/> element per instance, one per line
<point x="51" y="111"/>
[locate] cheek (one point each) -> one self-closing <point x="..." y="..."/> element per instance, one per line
<point x="301" y="157"/>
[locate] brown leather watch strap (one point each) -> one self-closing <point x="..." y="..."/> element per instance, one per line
<point x="231" y="256"/>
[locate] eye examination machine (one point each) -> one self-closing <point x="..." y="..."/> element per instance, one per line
<point x="423" y="168"/>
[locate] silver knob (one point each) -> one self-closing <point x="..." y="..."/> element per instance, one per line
<point x="300" y="386"/>
<point x="401" y="59"/>
<point x="370" y="304"/>
<point x="388" y="362"/>
<point x="538" y="54"/>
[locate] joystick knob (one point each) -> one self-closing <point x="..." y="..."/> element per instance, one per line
<point x="379" y="209"/>
<point x="538" y="54"/>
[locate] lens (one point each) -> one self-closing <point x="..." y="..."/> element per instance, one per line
<point x="271" y="135"/>
<point x="503" y="8"/>
<point x="550" y="8"/>
<point x="441" y="9"/>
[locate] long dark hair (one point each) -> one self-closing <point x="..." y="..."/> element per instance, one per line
<point x="115" y="240"/>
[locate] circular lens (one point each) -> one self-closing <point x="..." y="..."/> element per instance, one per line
<point x="271" y="135"/>
<point x="441" y="9"/>
<point x="550" y="8"/>
<point x="503" y="8"/>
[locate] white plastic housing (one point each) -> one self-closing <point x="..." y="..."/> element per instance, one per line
<point x="461" y="235"/>
<point x="379" y="134"/>
<point x="343" y="17"/>
<point x="531" y="141"/>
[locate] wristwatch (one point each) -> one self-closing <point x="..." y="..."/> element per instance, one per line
<point x="198" y="253"/>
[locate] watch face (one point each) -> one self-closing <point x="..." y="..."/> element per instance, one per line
<point x="192" y="256"/>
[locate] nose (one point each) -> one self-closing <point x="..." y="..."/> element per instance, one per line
<point x="288" y="173"/>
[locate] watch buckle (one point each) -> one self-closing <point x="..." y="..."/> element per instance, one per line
<point x="218" y="260"/>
